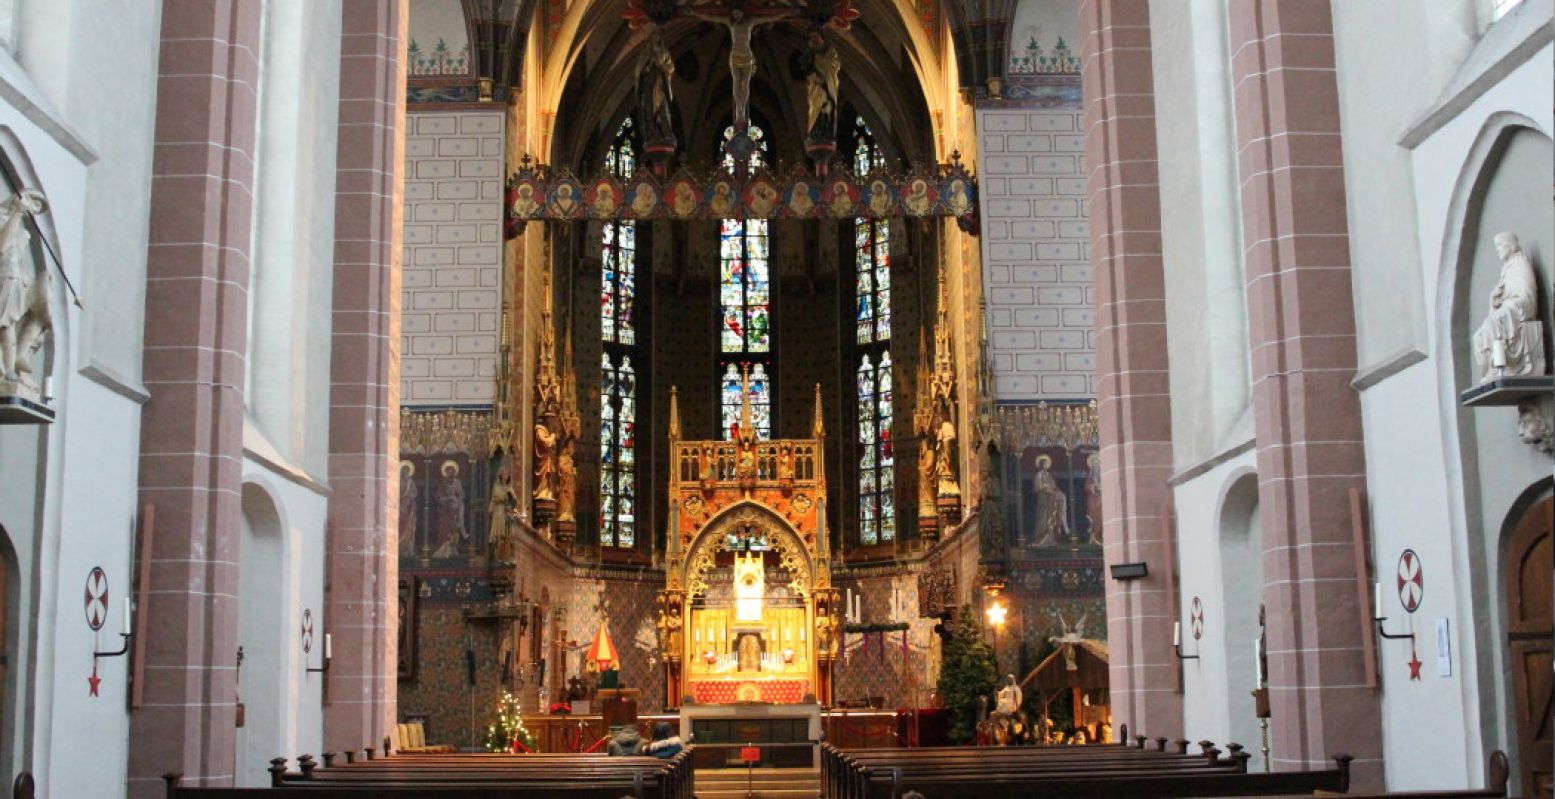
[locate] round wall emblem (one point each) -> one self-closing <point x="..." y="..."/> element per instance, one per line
<point x="96" y="598"/>
<point x="1411" y="581"/>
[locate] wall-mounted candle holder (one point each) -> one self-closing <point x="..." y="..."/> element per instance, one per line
<point x="1177" y="642"/>
<point x="126" y="635"/>
<point x="1379" y="618"/>
<point x="328" y="655"/>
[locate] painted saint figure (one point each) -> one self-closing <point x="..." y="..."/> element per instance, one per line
<point x="410" y="507"/>
<point x="1052" y="505"/>
<point x="451" y="533"/>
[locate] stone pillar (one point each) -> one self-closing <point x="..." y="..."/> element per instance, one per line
<point x="1301" y="320"/>
<point x="362" y="552"/>
<point x="1133" y="406"/>
<point x="192" y="429"/>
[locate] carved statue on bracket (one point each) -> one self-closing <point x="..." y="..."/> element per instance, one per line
<point x="26" y="317"/>
<point x="1510" y="342"/>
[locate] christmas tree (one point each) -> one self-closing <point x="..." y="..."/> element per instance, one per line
<point x="507" y="732"/>
<point x="968" y="673"/>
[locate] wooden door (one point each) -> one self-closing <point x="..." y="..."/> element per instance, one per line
<point x="1530" y="599"/>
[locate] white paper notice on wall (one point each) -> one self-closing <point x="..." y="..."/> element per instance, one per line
<point x="1443" y="649"/>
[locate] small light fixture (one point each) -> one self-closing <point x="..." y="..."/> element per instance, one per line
<point x="996" y="613"/>
<point x="1129" y="571"/>
<point x="1377" y="616"/>
<point x="1177" y="642"/>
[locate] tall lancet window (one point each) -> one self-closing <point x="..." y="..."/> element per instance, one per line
<point x="618" y="386"/>
<point x="745" y="299"/>
<point x="872" y="290"/>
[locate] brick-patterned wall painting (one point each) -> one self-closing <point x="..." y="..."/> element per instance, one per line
<point x="628" y="603"/>
<point x="1036" y="253"/>
<point x="441" y="691"/>
<point x="873" y="664"/>
<point x="453" y="264"/>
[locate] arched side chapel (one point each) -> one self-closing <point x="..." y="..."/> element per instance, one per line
<point x="362" y="431"/>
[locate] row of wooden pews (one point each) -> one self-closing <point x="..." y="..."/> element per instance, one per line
<point x="465" y="776"/>
<point x="1128" y="769"/>
<point x="1139" y="767"/>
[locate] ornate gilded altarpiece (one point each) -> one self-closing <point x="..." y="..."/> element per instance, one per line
<point x="748" y="612"/>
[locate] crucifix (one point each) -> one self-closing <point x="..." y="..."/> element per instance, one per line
<point x="741" y="22"/>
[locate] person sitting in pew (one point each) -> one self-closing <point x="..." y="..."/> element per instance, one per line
<point x="664" y="746"/>
<point x="626" y="742"/>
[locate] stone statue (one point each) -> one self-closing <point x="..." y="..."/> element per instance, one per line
<point x="1009" y="698"/>
<point x="25" y="314"/>
<point x="501" y="508"/>
<point x="1534" y="428"/>
<point x="926" y="469"/>
<point x="823" y="633"/>
<point x="451" y="534"/>
<point x="545" y="462"/>
<point x="1052" y="505"/>
<point x="785" y="465"/>
<point x="655" y="93"/>
<point x="1510" y="342"/>
<point x="821" y="84"/>
<point x="945" y="459"/>
<point x="566" y="483"/>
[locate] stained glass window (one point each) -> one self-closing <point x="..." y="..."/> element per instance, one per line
<point x="872" y="267"/>
<point x="866" y="155"/>
<point x="617" y="452"/>
<point x="761" y="399"/>
<point x="876" y="498"/>
<point x="758" y="151"/>
<point x="618" y="389"/>
<point x="872" y="291"/>
<point x="745" y="303"/>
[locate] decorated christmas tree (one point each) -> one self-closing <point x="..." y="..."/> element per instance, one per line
<point x="507" y="732"/>
<point x="969" y="672"/>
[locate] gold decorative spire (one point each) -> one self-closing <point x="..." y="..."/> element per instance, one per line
<point x="747" y="415"/>
<point x="818" y="428"/>
<point x="547" y="386"/>
<point x="674" y="414"/>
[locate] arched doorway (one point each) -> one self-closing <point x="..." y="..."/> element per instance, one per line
<point x="1529" y="584"/>
<point x="261" y="644"/>
<point x="1241" y="586"/>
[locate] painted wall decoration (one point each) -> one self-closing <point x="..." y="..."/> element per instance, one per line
<point x="1043" y="39"/>
<point x="1411" y="580"/>
<point x="96" y="598"/>
<point x="439" y="40"/>
<point x="1196" y="618"/>
<point x="1051" y="477"/>
<point x="307" y="630"/>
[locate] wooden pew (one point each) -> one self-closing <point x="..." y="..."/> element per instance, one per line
<point x="1008" y="773"/>
<point x="460" y="776"/>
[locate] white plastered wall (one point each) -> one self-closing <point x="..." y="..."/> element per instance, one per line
<point x="1424" y="487"/>
<point x="77" y="120"/>
<point x="1200" y="227"/>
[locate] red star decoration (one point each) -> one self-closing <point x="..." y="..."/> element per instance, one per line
<point x="94" y="681"/>
<point x="1414" y="665"/>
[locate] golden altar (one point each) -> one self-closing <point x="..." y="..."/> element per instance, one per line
<point x="748" y="612"/>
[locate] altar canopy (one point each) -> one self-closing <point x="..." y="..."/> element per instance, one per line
<point x="748" y="613"/>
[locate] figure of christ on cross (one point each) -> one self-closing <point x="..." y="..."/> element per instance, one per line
<point x="742" y="21"/>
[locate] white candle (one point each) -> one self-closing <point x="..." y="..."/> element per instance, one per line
<point x="329" y="646"/>
<point x="1498" y="354"/>
<point x="801" y="635"/>
<point x="48" y="384"/>
<point x="1176" y="633"/>
<point x="1258" y="662"/>
<point x="698" y="635"/>
<point x="1376" y="601"/>
<point x="126" y="616"/>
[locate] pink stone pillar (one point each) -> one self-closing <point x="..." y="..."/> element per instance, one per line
<point x="1131" y="357"/>
<point x="1301" y="319"/>
<point x="362" y="556"/>
<point x="192" y="428"/>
